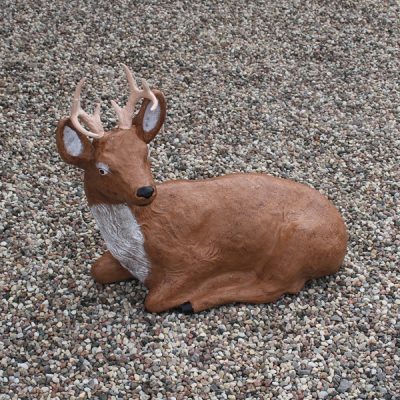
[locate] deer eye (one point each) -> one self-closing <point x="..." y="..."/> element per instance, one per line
<point x="103" y="168"/>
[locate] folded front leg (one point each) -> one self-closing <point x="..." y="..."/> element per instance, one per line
<point x="108" y="270"/>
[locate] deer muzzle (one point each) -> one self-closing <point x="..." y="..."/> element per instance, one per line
<point x="145" y="192"/>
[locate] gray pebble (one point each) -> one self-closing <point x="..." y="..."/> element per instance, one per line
<point x="344" y="386"/>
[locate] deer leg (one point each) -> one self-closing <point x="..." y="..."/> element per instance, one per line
<point x="238" y="287"/>
<point x="212" y="296"/>
<point x="219" y="290"/>
<point x="108" y="270"/>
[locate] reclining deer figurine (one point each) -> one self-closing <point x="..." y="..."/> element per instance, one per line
<point x="195" y="244"/>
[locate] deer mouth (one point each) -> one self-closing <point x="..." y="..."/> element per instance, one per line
<point x="142" y="202"/>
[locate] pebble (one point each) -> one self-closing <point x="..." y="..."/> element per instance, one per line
<point x="345" y="385"/>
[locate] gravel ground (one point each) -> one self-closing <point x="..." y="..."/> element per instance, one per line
<point x="298" y="89"/>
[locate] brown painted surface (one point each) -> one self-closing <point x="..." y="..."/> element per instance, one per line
<point x="237" y="238"/>
<point x="108" y="270"/>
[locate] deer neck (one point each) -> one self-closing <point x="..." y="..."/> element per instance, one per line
<point x="123" y="236"/>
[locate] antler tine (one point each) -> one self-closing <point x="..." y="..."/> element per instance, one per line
<point x="125" y="114"/>
<point x="149" y="94"/>
<point x="131" y="79"/>
<point x="92" y="121"/>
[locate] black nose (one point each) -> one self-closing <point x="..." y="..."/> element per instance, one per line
<point x="145" y="191"/>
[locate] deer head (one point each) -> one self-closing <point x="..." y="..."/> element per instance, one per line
<point x="115" y="163"/>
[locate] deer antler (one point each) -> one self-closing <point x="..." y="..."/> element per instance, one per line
<point x="92" y="121"/>
<point x="125" y="114"/>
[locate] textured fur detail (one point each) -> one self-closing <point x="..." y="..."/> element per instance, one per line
<point x="123" y="237"/>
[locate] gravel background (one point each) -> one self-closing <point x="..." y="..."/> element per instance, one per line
<point x="303" y="90"/>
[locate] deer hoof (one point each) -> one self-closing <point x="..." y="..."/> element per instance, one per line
<point x="186" y="308"/>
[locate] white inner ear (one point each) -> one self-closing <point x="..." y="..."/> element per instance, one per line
<point x="72" y="142"/>
<point x="151" y="118"/>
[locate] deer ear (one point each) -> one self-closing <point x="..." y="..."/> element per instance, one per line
<point x="149" y="122"/>
<point x="74" y="148"/>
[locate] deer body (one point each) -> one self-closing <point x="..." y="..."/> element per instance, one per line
<point x="258" y="238"/>
<point x="236" y="238"/>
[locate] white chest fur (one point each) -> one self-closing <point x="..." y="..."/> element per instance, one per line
<point x="123" y="237"/>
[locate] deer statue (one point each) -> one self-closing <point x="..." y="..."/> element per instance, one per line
<point x="245" y="237"/>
